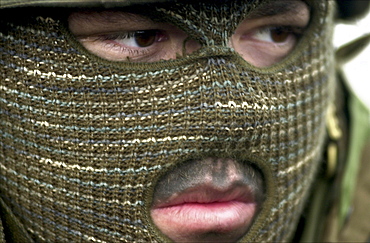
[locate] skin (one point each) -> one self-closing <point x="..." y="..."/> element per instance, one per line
<point x="215" y="199"/>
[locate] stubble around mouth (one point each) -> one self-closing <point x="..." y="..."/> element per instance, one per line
<point x="213" y="199"/>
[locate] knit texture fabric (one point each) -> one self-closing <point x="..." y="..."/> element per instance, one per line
<point x="83" y="140"/>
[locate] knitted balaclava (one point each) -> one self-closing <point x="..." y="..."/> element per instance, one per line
<point x="84" y="140"/>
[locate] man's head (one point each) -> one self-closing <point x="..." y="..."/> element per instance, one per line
<point x="185" y="121"/>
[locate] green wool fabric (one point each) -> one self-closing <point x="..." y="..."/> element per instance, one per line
<point x="84" y="140"/>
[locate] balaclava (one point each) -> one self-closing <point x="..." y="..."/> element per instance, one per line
<point x="84" y="140"/>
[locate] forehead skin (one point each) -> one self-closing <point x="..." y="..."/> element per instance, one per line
<point x="277" y="7"/>
<point x="90" y="20"/>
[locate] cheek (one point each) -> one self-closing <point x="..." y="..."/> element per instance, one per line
<point x="97" y="48"/>
<point x="256" y="57"/>
<point x="94" y="48"/>
<point x="261" y="54"/>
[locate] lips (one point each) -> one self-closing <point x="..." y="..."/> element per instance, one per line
<point x="210" y="200"/>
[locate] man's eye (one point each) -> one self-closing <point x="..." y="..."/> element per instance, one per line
<point x="276" y="34"/>
<point x="138" y="39"/>
<point x="262" y="44"/>
<point x="123" y="36"/>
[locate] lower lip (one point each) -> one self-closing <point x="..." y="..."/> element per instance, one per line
<point x="232" y="218"/>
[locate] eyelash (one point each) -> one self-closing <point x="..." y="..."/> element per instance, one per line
<point x="297" y="31"/>
<point x="293" y="30"/>
<point x="116" y="36"/>
<point x="120" y="48"/>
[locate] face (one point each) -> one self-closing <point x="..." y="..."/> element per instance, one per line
<point x="211" y="199"/>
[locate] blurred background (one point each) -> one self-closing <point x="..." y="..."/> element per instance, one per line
<point x="358" y="69"/>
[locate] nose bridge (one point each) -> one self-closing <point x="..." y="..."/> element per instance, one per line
<point x="231" y="93"/>
<point x="209" y="22"/>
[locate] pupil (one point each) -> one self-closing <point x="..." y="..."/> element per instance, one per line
<point x="145" y="38"/>
<point x="279" y="35"/>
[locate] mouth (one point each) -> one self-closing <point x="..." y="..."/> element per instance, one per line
<point x="211" y="200"/>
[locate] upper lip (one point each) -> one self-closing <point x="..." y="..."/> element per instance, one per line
<point x="207" y="181"/>
<point x="204" y="193"/>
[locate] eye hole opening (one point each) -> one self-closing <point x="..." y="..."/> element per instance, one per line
<point x="271" y="32"/>
<point x="262" y="41"/>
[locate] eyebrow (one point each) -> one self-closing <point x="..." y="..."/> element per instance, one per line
<point x="112" y="17"/>
<point x="277" y="7"/>
<point x="273" y="8"/>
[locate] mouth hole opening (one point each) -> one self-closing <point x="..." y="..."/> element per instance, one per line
<point x="198" y="199"/>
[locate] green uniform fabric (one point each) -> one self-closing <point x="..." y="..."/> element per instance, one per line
<point x="360" y="134"/>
